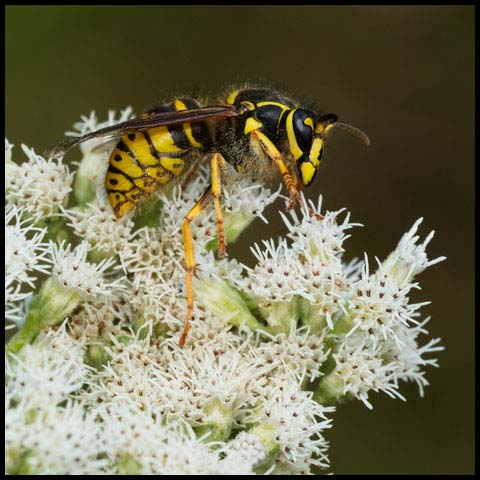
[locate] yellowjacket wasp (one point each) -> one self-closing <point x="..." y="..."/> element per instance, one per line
<point x="260" y="132"/>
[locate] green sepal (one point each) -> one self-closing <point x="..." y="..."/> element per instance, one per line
<point x="218" y="422"/>
<point x="49" y="307"/>
<point x="127" y="464"/>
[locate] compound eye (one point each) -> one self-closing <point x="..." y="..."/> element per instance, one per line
<point x="303" y="128"/>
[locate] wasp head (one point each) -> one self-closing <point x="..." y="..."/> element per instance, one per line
<point x="309" y="136"/>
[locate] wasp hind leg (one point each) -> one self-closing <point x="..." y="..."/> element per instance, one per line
<point x="190" y="264"/>
<point x="214" y="190"/>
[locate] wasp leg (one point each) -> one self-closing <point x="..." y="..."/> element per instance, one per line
<point x="194" y="212"/>
<point x="217" y="163"/>
<point x="310" y="211"/>
<point x="276" y="156"/>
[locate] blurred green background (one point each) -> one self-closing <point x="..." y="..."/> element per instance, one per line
<point x="405" y="75"/>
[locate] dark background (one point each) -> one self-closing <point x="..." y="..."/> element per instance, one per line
<point x="405" y="75"/>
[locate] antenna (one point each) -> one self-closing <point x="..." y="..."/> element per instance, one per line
<point x="356" y="131"/>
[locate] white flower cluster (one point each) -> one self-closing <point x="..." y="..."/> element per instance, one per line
<point x="25" y="253"/>
<point x="309" y="266"/>
<point x="100" y="229"/>
<point x="96" y="382"/>
<point x="74" y="272"/>
<point x="46" y="430"/>
<point x="379" y="341"/>
<point x="40" y="186"/>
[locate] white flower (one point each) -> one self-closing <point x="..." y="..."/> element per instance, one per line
<point x="15" y="306"/>
<point x="309" y="267"/>
<point x="208" y="380"/>
<point x="52" y="440"/>
<point x="47" y="371"/>
<point x="361" y="369"/>
<point x="41" y="186"/>
<point x="150" y="255"/>
<point x="380" y="306"/>
<point x="208" y="384"/>
<point x="8" y="151"/>
<point x="242" y="202"/>
<point x="177" y="203"/>
<point x="289" y="419"/>
<point x="299" y="352"/>
<point x="408" y="357"/>
<point x="274" y="276"/>
<point x="99" y="227"/>
<point x="409" y="259"/>
<point x="25" y="251"/>
<point x="40" y="434"/>
<point x="248" y="446"/>
<point x="127" y="378"/>
<point x="193" y="383"/>
<point x="138" y="444"/>
<point x="94" y="319"/>
<point x="323" y="238"/>
<point x="73" y="272"/>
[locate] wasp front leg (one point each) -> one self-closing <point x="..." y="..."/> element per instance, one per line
<point x="272" y="151"/>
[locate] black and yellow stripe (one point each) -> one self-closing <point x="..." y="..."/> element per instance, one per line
<point x="142" y="160"/>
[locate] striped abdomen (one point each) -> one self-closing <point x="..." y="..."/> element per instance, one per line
<point x="140" y="161"/>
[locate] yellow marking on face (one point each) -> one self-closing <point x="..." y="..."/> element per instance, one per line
<point x="316" y="151"/>
<point x="308" y="172"/>
<point x="308" y="121"/>
<point x="174" y="165"/>
<point x="252" y="124"/>
<point x="231" y="98"/>
<point x="319" y="128"/>
<point x="125" y="163"/>
<point x="117" y="181"/>
<point x="162" y="141"/>
<point x="292" y="141"/>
